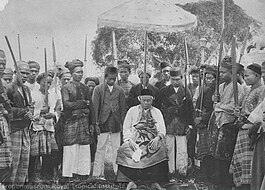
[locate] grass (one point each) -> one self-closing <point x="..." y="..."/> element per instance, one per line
<point x="184" y="182"/>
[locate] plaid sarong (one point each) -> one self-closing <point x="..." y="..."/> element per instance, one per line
<point x="203" y="144"/>
<point x="241" y="163"/>
<point x="5" y="146"/>
<point x="20" y="155"/>
<point x="42" y="142"/>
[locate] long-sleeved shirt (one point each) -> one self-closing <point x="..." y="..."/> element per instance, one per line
<point x="133" y="117"/>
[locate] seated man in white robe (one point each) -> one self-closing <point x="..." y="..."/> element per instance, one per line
<point x="142" y="158"/>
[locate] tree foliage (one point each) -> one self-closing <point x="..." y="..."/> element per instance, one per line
<point x="170" y="46"/>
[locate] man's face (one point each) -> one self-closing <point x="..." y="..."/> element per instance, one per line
<point x="250" y="77"/>
<point x="165" y="72"/>
<point x="209" y="79"/>
<point x="65" y="78"/>
<point x="142" y="78"/>
<point x="225" y="75"/>
<point x="176" y="81"/>
<point x="7" y="78"/>
<point x="24" y="75"/>
<point x="33" y="73"/>
<point x="77" y="74"/>
<point x="110" y="79"/>
<point x="43" y="82"/>
<point x="91" y="85"/>
<point x="195" y="78"/>
<point x="124" y="73"/>
<point x="2" y="66"/>
<point x="146" y="101"/>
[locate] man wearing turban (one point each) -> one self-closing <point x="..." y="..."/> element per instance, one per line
<point x="225" y="138"/>
<point x="79" y="123"/>
<point x="143" y="156"/>
<point x="8" y="75"/>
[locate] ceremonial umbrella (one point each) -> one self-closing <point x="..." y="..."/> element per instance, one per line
<point x="148" y="16"/>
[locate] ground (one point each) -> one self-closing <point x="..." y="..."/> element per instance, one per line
<point x="192" y="181"/>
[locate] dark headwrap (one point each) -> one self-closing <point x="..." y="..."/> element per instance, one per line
<point x="227" y="62"/>
<point x="255" y="67"/>
<point x="147" y="92"/>
<point x="211" y="69"/>
<point x="94" y="79"/>
<point x="42" y="75"/>
<point x="33" y="64"/>
<point x="73" y="64"/>
<point x="110" y="70"/>
<point x="124" y="64"/>
<point x="175" y="72"/>
<point x="164" y="64"/>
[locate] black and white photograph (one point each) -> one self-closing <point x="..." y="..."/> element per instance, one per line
<point x="132" y="94"/>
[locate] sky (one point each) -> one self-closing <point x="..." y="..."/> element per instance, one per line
<point x="2" y="4"/>
<point x="67" y="21"/>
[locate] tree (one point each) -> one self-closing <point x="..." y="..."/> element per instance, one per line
<point x="170" y="46"/>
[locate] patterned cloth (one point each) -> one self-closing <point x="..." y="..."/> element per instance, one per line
<point x="5" y="146"/>
<point x="20" y="154"/>
<point x="241" y="163"/>
<point x="42" y="142"/>
<point x="144" y="132"/>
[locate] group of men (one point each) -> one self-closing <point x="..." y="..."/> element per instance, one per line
<point x="154" y="130"/>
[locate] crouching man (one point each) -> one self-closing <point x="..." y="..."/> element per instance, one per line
<point x="142" y="158"/>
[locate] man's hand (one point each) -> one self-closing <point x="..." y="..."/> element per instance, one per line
<point x="133" y="145"/>
<point x="49" y="115"/>
<point x="44" y="110"/>
<point x="154" y="143"/>
<point x="29" y="115"/>
<point x="97" y="129"/>
<point x="198" y="120"/>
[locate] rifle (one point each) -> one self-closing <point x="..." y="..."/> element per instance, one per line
<point x="54" y="62"/>
<point x="85" y="59"/>
<point x="19" y="78"/>
<point x="186" y="65"/>
<point x="19" y="49"/>
<point x="244" y="45"/>
<point x="46" y="77"/>
<point x="202" y="93"/>
<point x="234" y="71"/>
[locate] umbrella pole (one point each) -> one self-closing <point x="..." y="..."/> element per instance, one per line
<point x="114" y="48"/>
<point x="145" y="58"/>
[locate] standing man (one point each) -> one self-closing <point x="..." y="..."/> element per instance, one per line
<point x="165" y="67"/>
<point x="20" y="123"/>
<point x="136" y="90"/>
<point x="241" y="163"/>
<point x="178" y="112"/>
<point x="8" y="75"/>
<point x="34" y="71"/>
<point x="124" y="72"/>
<point x="79" y="123"/>
<point x="195" y="75"/>
<point x="110" y="109"/>
<point x="5" y="140"/>
<point x="224" y="122"/>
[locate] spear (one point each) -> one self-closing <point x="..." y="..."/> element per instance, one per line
<point x="19" y="77"/>
<point x="46" y="77"/>
<point x="244" y="45"/>
<point x="54" y="62"/>
<point x="234" y="70"/>
<point x="19" y="48"/>
<point x="85" y="59"/>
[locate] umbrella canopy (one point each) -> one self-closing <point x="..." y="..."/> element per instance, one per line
<point x="148" y="15"/>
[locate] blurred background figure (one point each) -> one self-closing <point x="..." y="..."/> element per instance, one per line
<point x="165" y="67"/>
<point x="92" y="82"/>
<point x="8" y="75"/>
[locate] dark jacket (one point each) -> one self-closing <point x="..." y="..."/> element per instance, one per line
<point x="160" y="84"/>
<point x="106" y="103"/>
<point x="177" y="110"/>
<point x="17" y="101"/>
<point x="78" y="116"/>
<point x="136" y="91"/>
